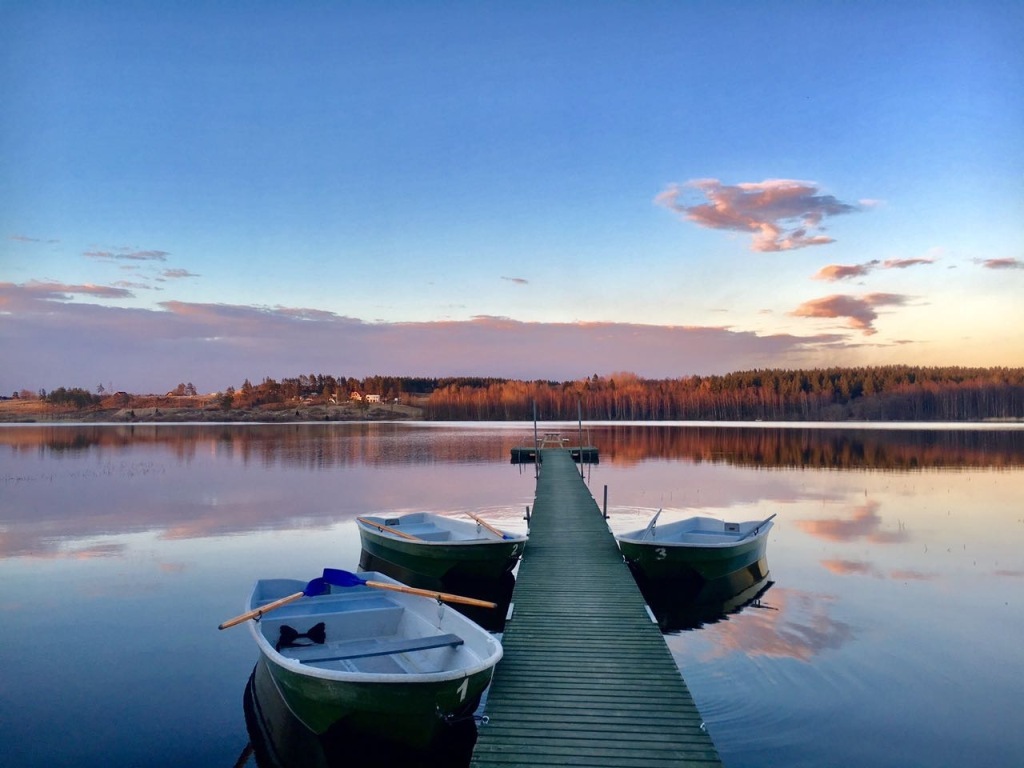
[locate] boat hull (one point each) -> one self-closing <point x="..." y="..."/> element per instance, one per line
<point x="441" y="561"/>
<point x="410" y="713"/>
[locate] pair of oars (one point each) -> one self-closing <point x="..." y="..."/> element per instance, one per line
<point x="338" y="578"/>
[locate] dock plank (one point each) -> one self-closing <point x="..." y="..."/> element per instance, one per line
<point x="587" y="678"/>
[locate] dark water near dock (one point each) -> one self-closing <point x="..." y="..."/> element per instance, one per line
<point x="888" y="632"/>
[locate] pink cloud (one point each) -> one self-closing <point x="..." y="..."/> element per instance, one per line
<point x="834" y="272"/>
<point x="859" y="311"/>
<point x="782" y="214"/>
<point x="1003" y="263"/>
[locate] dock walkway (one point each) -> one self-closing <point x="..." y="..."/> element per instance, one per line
<point x="587" y="678"/>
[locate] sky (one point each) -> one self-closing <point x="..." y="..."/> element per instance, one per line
<point x="209" y="192"/>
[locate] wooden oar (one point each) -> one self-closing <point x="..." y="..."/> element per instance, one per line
<point x="388" y="528"/>
<point x="756" y="528"/>
<point x="341" y="578"/>
<point x="260" y="611"/>
<point x="489" y="527"/>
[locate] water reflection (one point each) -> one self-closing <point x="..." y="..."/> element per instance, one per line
<point x="894" y="605"/>
<point x="690" y="603"/>
<point x="497" y="591"/>
<point x="319" y="446"/>
<point x="864" y="522"/>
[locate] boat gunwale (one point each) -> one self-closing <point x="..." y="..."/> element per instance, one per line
<point x="756" y="532"/>
<point x="405" y="601"/>
<point x="487" y="539"/>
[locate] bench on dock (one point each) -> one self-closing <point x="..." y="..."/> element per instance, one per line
<point x="360" y="649"/>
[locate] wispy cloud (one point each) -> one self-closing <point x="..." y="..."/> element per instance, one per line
<point x="19" y="295"/>
<point x="859" y="311"/>
<point x="904" y="263"/>
<point x="27" y="239"/>
<point x="128" y="254"/>
<point x="782" y="214"/>
<point x="517" y="280"/>
<point x="835" y="272"/>
<point x="1002" y="263"/>
<point x="176" y="274"/>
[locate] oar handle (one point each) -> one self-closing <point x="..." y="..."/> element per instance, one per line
<point x="387" y="528"/>
<point x="260" y="611"/>
<point x="487" y="525"/>
<point x="756" y="528"/>
<point x="446" y="597"/>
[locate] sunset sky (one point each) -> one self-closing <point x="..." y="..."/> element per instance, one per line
<point x="209" y="192"/>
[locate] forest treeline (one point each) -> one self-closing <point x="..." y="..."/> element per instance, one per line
<point x="890" y="393"/>
<point x="885" y="393"/>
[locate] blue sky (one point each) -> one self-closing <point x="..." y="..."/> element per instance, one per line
<point x="210" y="192"/>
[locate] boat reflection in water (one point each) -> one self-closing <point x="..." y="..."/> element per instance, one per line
<point x="690" y="602"/>
<point x="497" y="590"/>
<point x="277" y="739"/>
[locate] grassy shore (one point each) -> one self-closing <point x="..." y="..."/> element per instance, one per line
<point x="172" y="409"/>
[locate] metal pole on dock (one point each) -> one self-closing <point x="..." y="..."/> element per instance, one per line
<point x="536" y="443"/>
<point x="579" y="416"/>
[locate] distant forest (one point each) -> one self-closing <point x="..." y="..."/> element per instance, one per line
<point x="891" y="393"/>
<point x="887" y="393"/>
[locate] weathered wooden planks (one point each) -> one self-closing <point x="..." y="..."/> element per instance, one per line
<point x="587" y="679"/>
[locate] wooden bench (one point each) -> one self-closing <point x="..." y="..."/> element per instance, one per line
<point x="359" y="649"/>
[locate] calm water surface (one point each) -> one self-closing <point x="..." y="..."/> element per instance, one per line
<point x="890" y="633"/>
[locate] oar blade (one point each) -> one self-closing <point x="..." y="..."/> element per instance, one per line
<point x="340" y="578"/>
<point x="318" y="586"/>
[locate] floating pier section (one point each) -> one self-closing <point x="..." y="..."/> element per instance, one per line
<point x="587" y="678"/>
<point x="581" y="454"/>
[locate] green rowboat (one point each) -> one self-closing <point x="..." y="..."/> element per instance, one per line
<point x="701" y="547"/>
<point x="384" y="663"/>
<point x="441" y="547"/>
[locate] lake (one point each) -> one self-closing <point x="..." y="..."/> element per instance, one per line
<point x="889" y="632"/>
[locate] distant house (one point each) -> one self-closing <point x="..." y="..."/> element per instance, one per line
<point x="355" y="396"/>
<point x="373" y="398"/>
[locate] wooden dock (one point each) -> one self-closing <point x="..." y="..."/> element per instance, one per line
<point x="587" y="678"/>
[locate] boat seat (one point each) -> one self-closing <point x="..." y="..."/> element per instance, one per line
<point x="359" y="649"/>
